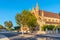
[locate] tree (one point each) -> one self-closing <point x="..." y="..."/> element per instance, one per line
<point x="1" y="27"/>
<point x="44" y="27"/>
<point x="57" y="27"/>
<point x="8" y="24"/>
<point x="26" y="18"/>
<point x="49" y="27"/>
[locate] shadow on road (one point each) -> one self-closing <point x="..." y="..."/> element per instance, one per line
<point x="10" y="34"/>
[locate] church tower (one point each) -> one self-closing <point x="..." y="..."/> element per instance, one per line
<point x="37" y="11"/>
<point x="37" y="7"/>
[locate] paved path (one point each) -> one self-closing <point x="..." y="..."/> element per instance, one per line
<point x="23" y="37"/>
<point x="2" y="37"/>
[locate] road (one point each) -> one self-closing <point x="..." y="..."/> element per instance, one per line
<point x="10" y="34"/>
<point x="16" y="36"/>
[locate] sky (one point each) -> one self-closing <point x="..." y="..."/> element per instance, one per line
<point x="9" y="8"/>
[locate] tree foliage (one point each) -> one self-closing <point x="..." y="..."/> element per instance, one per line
<point x="8" y="24"/>
<point x="26" y="18"/>
<point x="58" y="26"/>
<point x="49" y="27"/>
<point x="1" y="27"/>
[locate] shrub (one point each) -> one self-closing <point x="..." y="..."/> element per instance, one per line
<point x="49" y="27"/>
<point x="58" y="26"/>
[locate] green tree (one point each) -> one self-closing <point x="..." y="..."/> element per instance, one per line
<point x="8" y="24"/>
<point x="1" y="27"/>
<point x="26" y="18"/>
<point x="49" y="27"/>
<point x="44" y="27"/>
<point x="57" y="27"/>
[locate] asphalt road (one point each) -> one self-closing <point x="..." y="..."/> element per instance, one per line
<point x="12" y="34"/>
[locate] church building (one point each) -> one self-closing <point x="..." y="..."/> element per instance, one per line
<point x="44" y="17"/>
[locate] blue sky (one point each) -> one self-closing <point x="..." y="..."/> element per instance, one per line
<point x="9" y="8"/>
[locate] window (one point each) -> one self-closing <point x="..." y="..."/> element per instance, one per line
<point x="45" y="19"/>
<point x="59" y="20"/>
<point x="56" y="20"/>
<point x="49" y="20"/>
<point x="53" y="20"/>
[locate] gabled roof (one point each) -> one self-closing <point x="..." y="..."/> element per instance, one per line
<point x="49" y="14"/>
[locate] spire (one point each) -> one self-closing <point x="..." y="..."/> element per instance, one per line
<point x="37" y="7"/>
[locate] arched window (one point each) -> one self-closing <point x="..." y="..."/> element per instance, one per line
<point x="56" y="20"/>
<point x="45" y="19"/>
<point x="49" y="19"/>
<point x="53" y="20"/>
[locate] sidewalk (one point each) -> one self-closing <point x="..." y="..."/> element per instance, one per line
<point x="22" y="36"/>
<point x="2" y="37"/>
<point x="52" y="35"/>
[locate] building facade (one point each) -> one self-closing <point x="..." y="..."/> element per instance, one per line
<point x="44" y="17"/>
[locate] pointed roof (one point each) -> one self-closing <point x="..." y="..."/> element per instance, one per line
<point x="36" y="4"/>
<point x="37" y="7"/>
<point x="49" y="14"/>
